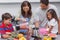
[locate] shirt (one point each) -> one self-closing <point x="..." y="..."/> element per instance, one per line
<point x="4" y="29"/>
<point x="53" y="23"/>
<point x="24" y="23"/>
<point x="26" y="20"/>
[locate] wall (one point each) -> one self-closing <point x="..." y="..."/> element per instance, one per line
<point x="14" y="8"/>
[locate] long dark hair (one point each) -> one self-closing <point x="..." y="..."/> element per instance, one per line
<point x="53" y="13"/>
<point x="29" y="14"/>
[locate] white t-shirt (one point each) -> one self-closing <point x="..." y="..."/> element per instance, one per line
<point x="53" y="23"/>
<point x="40" y="15"/>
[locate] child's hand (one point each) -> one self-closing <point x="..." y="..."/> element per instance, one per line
<point x="8" y="32"/>
<point x="5" y="36"/>
<point x="49" y="32"/>
<point x="47" y="29"/>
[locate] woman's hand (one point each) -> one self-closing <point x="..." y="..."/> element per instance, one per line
<point x="18" y="19"/>
<point x="22" y="19"/>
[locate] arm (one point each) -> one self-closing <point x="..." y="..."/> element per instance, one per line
<point x="37" y="24"/>
<point x="17" y="16"/>
<point x="50" y="29"/>
<point x="36" y="21"/>
<point x="46" y="26"/>
<point x="59" y="26"/>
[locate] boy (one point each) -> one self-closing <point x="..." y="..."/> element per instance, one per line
<point x="6" y="26"/>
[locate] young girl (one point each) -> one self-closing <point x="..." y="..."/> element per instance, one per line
<point x="26" y="12"/>
<point x="52" y="21"/>
<point x="26" y="15"/>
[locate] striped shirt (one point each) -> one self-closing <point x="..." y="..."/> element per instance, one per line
<point x="4" y="29"/>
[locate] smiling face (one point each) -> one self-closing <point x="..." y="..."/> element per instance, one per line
<point x="43" y="6"/>
<point x="26" y="8"/>
<point x="6" y="18"/>
<point x="8" y="21"/>
<point x="49" y="15"/>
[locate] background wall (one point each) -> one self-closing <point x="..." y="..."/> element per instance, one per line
<point x="14" y="8"/>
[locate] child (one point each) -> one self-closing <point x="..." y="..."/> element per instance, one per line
<point x="6" y="26"/>
<point x="52" y="21"/>
<point x="26" y="12"/>
<point x="25" y="16"/>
